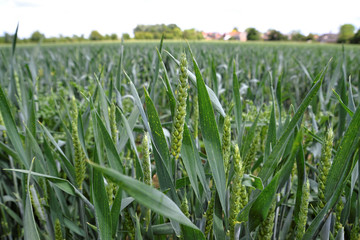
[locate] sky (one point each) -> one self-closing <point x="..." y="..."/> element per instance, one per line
<point x="69" y="17"/>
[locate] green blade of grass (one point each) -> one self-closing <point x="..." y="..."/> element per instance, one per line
<point x="218" y="220"/>
<point x="238" y="105"/>
<point x="30" y="230"/>
<point x="69" y="168"/>
<point x="156" y="72"/>
<point x="343" y="155"/>
<point x="343" y="104"/>
<point x="112" y="154"/>
<point x="211" y="136"/>
<point x="139" y="169"/>
<point x="11" y="129"/>
<point x="187" y="156"/>
<point x="123" y="131"/>
<point x="138" y="103"/>
<point x="157" y="133"/>
<point x="301" y="175"/>
<point x="101" y="204"/>
<point x="115" y="211"/>
<point x="169" y="90"/>
<point x="147" y="196"/>
<point x="62" y="184"/>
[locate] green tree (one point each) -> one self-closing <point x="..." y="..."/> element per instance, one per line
<point x="192" y="34"/>
<point x="144" y="35"/>
<point x="253" y="34"/>
<point x="298" y="37"/>
<point x="95" y="35"/>
<point x="114" y="36"/>
<point x="36" y="36"/>
<point x="356" y="37"/>
<point x="171" y="31"/>
<point x="275" y="35"/>
<point x="125" y="36"/>
<point x="346" y="33"/>
<point x="310" y="37"/>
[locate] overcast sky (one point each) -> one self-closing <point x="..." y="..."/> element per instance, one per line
<point x="69" y="17"/>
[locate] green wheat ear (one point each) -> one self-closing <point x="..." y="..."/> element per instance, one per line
<point x="355" y="232"/>
<point x="339" y="208"/>
<point x="146" y="160"/>
<point x="179" y="118"/>
<point x="58" y="232"/>
<point x="209" y="217"/>
<point x="324" y="165"/>
<point x="226" y="142"/>
<point x="113" y="122"/>
<point x="303" y="211"/>
<point x="185" y="207"/>
<point x="250" y="157"/>
<point x="36" y="202"/>
<point x="266" y="227"/>
<point x="147" y="172"/>
<point x="237" y="191"/>
<point x="80" y="164"/>
<point x="128" y="224"/>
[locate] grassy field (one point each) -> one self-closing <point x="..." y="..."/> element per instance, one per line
<point x="211" y="140"/>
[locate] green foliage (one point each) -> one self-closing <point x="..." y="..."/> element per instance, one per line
<point x="356" y="37"/>
<point x="36" y="36"/>
<point x="310" y="37"/>
<point x="253" y="34"/>
<point x="297" y="36"/>
<point x="95" y="36"/>
<point x="346" y="33"/>
<point x="125" y="36"/>
<point x="192" y="34"/>
<point x="171" y="31"/>
<point x="274" y="35"/>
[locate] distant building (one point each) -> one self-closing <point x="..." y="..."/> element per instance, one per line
<point x="213" y="36"/>
<point x="235" y="35"/>
<point x="265" y="36"/>
<point x="328" y="38"/>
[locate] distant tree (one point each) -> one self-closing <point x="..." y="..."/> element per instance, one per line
<point x="253" y="34"/>
<point x="235" y="29"/>
<point x="275" y="35"/>
<point x="36" y="36"/>
<point x="356" y="37"/>
<point x="8" y="38"/>
<point x="171" y="31"/>
<point x="95" y="36"/>
<point x="310" y="37"/>
<point x="346" y="33"/>
<point x="297" y="36"/>
<point x="114" y="36"/>
<point x="144" y="35"/>
<point x="125" y="36"/>
<point x="192" y="34"/>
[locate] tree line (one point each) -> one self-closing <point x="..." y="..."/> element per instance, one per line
<point x="346" y="34"/>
